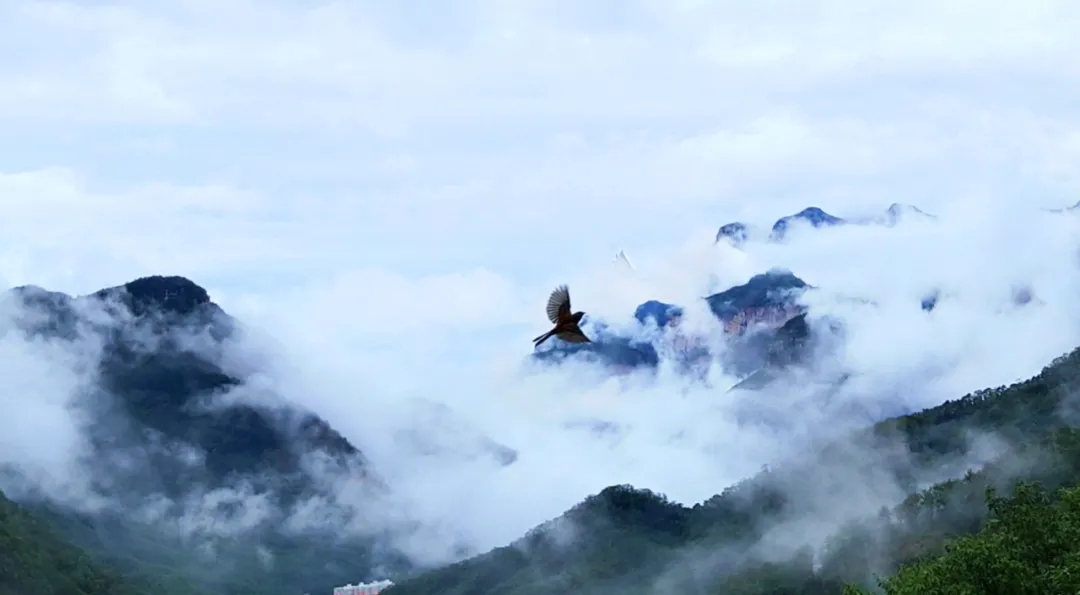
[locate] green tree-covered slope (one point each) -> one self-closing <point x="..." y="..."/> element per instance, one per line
<point x="1030" y="546"/>
<point x="37" y="560"/>
<point x="634" y="541"/>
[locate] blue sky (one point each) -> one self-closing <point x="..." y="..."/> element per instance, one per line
<point x="391" y="189"/>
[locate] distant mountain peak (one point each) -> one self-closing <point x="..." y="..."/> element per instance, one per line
<point x="771" y="289"/>
<point x="660" y="312"/>
<point x="738" y="232"/>
<point x="37" y="295"/>
<point x="31" y="290"/>
<point x="898" y="211"/>
<point x="898" y="207"/>
<point x="43" y="311"/>
<point x="813" y="215"/>
<point x="735" y="232"/>
<point x="1074" y="207"/>
<point x="174" y="294"/>
<point x="766" y="302"/>
<point x="162" y="386"/>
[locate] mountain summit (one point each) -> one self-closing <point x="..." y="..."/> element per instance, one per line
<point x="172" y="295"/>
<point x="738" y="233"/>
<point x="176" y="430"/>
<point x="165" y="381"/>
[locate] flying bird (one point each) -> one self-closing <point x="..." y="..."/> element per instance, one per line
<point x="566" y="324"/>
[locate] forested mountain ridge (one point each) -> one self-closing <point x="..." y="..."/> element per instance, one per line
<point x="182" y="448"/>
<point x="624" y="539"/>
<point x="35" y="559"/>
<point x="629" y="540"/>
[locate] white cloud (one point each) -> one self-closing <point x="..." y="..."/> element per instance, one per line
<point x="390" y="194"/>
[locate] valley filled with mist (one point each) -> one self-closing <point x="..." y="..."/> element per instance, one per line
<point x="269" y="272"/>
<point x="186" y="447"/>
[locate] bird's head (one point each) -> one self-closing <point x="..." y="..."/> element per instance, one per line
<point x="577" y="316"/>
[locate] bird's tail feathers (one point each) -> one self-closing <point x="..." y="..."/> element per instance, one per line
<point x="544" y="337"/>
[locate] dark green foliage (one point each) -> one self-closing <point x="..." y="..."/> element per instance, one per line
<point x="1031" y="546"/>
<point x="220" y="566"/>
<point x="625" y="530"/>
<point x="35" y="560"/>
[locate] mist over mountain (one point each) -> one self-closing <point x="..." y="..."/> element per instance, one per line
<point x="786" y="527"/>
<point x="182" y="437"/>
<point x="782" y="531"/>
<point x="868" y="484"/>
<point x="738" y="233"/>
<point x="762" y="324"/>
<point x="167" y="389"/>
<point x="173" y="440"/>
<point x="843" y="301"/>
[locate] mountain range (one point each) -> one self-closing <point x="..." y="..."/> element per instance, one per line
<point x="738" y="232"/>
<point x="177" y="426"/>
<point x="1073" y="208"/>
<point x="754" y="538"/>
<point x="176" y="432"/>
<point x="763" y="321"/>
<point x="753" y="316"/>
<point x="764" y="325"/>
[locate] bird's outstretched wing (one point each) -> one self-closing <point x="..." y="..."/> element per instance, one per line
<point x="573" y="335"/>
<point x="558" y="306"/>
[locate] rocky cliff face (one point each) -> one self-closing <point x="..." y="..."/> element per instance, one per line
<point x="761" y="319"/>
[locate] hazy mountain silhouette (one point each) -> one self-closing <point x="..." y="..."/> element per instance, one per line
<point x="170" y="420"/>
<point x="738" y="232"/>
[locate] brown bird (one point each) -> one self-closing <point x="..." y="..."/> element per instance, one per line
<point x="566" y="324"/>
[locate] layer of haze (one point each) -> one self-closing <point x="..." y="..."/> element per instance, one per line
<point x="387" y="195"/>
